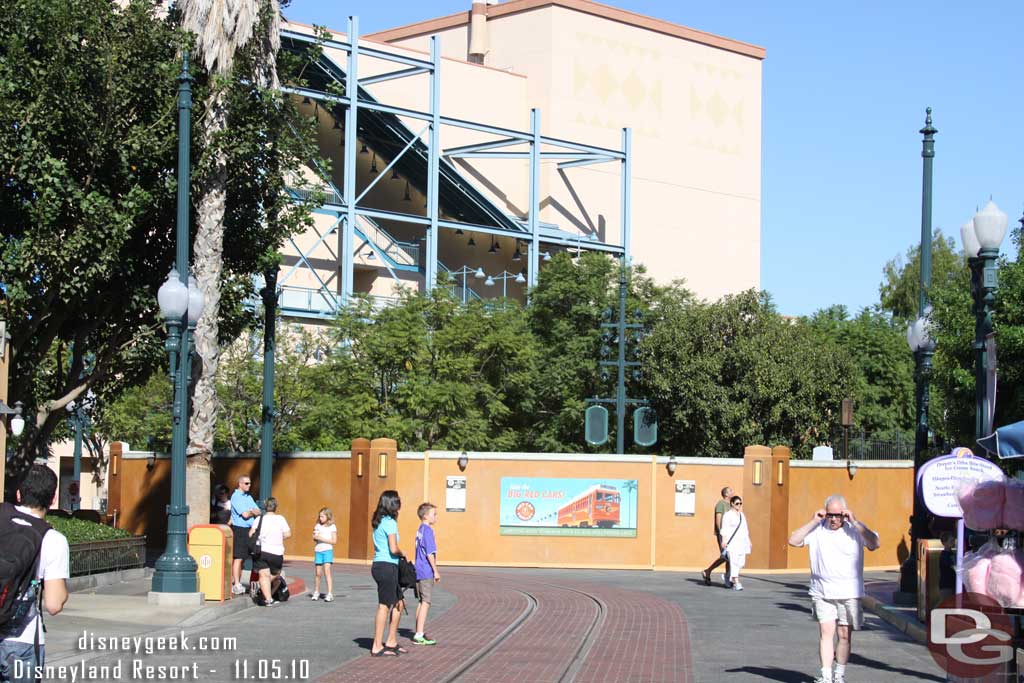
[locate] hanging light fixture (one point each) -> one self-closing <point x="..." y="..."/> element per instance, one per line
<point x="479" y="274"/>
<point x="458" y="231"/>
<point x="493" y="249"/>
<point x="520" y="279"/>
<point x="370" y="255"/>
<point x="363" y="149"/>
<point x="497" y="245"/>
<point x="547" y="255"/>
<point x="336" y="126"/>
<point x="306" y="100"/>
<point x="394" y="173"/>
<point x="489" y="282"/>
<point x="518" y="254"/>
<point x="471" y="242"/>
<point x="406" y="197"/>
<point x="373" y="164"/>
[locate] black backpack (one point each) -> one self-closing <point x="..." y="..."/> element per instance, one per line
<point x="20" y="544"/>
<point x="406" y="573"/>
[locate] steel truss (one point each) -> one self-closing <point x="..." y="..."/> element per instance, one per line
<point x="345" y="204"/>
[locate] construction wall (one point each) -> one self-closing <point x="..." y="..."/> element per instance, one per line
<point x="778" y="495"/>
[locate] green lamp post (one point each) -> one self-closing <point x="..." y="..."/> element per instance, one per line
<point x="269" y="294"/>
<point x="921" y="344"/>
<point x="180" y="306"/>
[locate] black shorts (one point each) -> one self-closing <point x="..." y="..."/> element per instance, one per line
<point x="240" y="543"/>
<point x="269" y="561"/>
<point x="386" y="576"/>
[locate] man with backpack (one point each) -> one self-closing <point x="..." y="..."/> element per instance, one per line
<point x="34" y="565"/>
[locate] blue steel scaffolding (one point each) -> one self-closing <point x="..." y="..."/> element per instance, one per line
<point x="357" y="223"/>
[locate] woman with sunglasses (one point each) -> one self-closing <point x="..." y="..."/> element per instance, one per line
<point x="735" y="540"/>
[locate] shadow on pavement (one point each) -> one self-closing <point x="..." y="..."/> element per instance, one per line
<point x="793" y="607"/>
<point x="364" y="643"/>
<point x="765" y="673"/>
<point x="802" y="587"/>
<point x="876" y="665"/>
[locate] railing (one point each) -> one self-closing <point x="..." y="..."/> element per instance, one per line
<point x="307" y="299"/>
<point x="94" y="557"/>
<point x="401" y="253"/>
<point x="864" y="448"/>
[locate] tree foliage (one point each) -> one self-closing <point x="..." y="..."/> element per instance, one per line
<point x="87" y="195"/>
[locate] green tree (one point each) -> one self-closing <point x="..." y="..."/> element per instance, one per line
<point x="901" y="277"/>
<point x="883" y="388"/>
<point x="87" y="195"/>
<point x="731" y="373"/>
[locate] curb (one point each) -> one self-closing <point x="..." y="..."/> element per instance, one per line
<point x="909" y="627"/>
<point x="77" y="584"/>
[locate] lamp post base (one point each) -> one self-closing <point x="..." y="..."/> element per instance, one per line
<point x="175" y="574"/>
<point x="175" y="599"/>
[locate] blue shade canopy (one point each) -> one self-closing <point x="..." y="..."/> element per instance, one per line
<point x="1007" y="442"/>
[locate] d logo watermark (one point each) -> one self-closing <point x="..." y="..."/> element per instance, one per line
<point x="969" y="635"/>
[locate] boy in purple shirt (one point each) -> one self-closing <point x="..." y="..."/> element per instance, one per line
<point x="426" y="568"/>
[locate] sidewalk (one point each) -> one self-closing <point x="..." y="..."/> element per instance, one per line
<point x="121" y="608"/>
<point x="879" y="588"/>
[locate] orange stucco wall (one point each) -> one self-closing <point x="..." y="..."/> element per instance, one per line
<point x="881" y="497"/>
<point x="879" y="494"/>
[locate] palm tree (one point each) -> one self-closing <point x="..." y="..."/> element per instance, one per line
<point x="630" y="487"/>
<point x="222" y="28"/>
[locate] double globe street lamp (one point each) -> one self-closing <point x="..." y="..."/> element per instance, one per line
<point x="982" y="237"/>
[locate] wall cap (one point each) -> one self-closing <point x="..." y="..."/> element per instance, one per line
<point x="865" y="464"/>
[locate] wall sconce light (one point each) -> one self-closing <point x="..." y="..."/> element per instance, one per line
<point x="758" y="472"/>
<point x="359" y="464"/>
<point x="851" y="468"/>
<point x="382" y="465"/>
<point x="778" y="477"/>
<point x="463" y="461"/>
<point x="671" y="466"/>
<point x="151" y="461"/>
<point x="17" y="421"/>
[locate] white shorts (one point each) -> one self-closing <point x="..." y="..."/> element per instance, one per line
<point x="846" y="612"/>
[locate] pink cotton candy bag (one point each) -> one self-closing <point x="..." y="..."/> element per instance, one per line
<point x="982" y="504"/>
<point x="1013" y="507"/>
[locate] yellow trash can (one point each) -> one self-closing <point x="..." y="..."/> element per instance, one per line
<point x="211" y="546"/>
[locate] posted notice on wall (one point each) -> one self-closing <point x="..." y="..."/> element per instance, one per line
<point x="686" y="497"/>
<point x="455" y="494"/>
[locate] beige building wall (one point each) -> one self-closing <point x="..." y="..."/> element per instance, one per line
<point x="694" y="105"/>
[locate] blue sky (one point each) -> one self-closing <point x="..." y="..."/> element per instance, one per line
<point x="845" y="87"/>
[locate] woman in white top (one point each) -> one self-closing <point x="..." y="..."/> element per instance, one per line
<point x="735" y="540"/>
<point x="273" y="529"/>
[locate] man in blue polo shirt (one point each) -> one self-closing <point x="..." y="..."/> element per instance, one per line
<point x="243" y="511"/>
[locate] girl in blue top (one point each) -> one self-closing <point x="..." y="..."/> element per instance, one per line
<point x="385" y="573"/>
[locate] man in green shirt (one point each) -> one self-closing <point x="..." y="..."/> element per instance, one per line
<point x="721" y="507"/>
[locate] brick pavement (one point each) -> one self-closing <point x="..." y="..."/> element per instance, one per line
<point x="575" y="631"/>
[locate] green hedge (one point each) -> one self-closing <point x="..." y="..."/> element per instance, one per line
<point x="80" y="530"/>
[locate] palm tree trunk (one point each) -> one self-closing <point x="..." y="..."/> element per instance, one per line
<point x="208" y="251"/>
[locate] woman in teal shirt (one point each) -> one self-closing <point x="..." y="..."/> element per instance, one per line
<point x="385" y="573"/>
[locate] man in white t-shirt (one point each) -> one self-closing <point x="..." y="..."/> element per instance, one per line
<point x="836" y="541"/>
<point x="22" y="650"/>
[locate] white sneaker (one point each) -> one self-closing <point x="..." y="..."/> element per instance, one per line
<point x="237" y="589"/>
<point x="272" y="603"/>
<point x="737" y="586"/>
<point x="314" y="596"/>
<point x="329" y="597"/>
<point x="821" y="679"/>
<point x="838" y="678"/>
